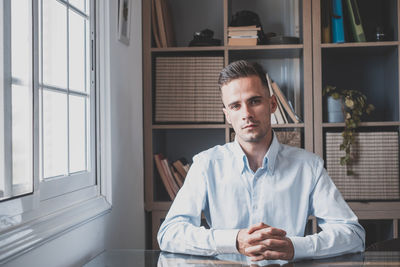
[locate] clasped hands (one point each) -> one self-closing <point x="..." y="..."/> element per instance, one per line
<point x="263" y="242"/>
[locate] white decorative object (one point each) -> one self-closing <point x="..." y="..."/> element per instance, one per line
<point x="335" y="110"/>
<point x="124" y="20"/>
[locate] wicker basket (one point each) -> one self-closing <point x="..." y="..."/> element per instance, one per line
<point x="376" y="166"/>
<point x="186" y="89"/>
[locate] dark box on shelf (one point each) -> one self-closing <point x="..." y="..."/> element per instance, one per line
<point x="376" y="166"/>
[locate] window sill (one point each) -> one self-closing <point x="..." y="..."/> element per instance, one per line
<point x="25" y="237"/>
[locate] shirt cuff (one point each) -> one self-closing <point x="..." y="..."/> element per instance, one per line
<point x="225" y="241"/>
<point x="302" y="247"/>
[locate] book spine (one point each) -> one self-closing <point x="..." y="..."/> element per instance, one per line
<point x="163" y="175"/>
<point x="326" y="7"/>
<point x="337" y="22"/>
<point x="355" y="21"/>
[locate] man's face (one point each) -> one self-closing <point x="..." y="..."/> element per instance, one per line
<point x="248" y="108"/>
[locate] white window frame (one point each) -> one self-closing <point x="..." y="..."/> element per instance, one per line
<point x="29" y="221"/>
<point x="53" y="186"/>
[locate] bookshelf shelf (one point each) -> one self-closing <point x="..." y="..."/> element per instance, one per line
<point x="363" y="124"/>
<point x="189" y="126"/>
<point x="361" y="44"/>
<point x="222" y="48"/>
<point x="188" y="49"/>
<point x="267" y="47"/>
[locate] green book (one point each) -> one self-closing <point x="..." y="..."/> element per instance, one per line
<point x="355" y="21"/>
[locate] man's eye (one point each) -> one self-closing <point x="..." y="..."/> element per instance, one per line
<point x="255" y="101"/>
<point x="235" y="106"/>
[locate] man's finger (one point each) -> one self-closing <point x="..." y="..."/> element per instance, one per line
<point x="275" y="244"/>
<point x="261" y="236"/>
<point x="266" y="233"/>
<point x="269" y="255"/>
<point x="255" y="250"/>
<point x="276" y="231"/>
<point x="257" y="227"/>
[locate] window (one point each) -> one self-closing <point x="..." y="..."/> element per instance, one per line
<point x="52" y="116"/>
<point x="55" y="140"/>
<point x="47" y="102"/>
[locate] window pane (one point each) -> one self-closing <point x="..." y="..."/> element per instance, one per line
<point x="88" y="56"/>
<point x="16" y="141"/>
<point x="22" y="139"/>
<point x="76" y="52"/>
<point x="55" y="139"/>
<point x="80" y="4"/>
<point x="21" y="40"/>
<point x="77" y="133"/>
<point x="54" y="40"/>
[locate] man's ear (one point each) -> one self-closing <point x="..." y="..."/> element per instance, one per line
<point x="226" y="115"/>
<point x="274" y="103"/>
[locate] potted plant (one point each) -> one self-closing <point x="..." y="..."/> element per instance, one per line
<point x="354" y="106"/>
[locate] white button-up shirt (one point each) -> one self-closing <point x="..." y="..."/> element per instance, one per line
<point x="291" y="185"/>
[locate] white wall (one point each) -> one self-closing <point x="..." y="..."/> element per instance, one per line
<point x="124" y="227"/>
<point x="127" y="227"/>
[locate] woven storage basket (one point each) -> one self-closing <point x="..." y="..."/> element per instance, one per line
<point x="186" y="89"/>
<point x="376" y="166"/>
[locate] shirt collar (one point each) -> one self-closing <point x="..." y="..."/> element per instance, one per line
<point x="269" y="158"/>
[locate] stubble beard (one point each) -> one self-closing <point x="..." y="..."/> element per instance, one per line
<point x="253" y="137"/>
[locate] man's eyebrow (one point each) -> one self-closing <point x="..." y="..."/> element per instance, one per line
<point x="235" y="102"/>
<point x="254" y="97"/>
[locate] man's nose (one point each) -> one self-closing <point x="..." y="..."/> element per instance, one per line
<point x="247" y="112"/>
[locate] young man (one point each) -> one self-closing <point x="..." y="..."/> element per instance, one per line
<point x="255" y="193"/>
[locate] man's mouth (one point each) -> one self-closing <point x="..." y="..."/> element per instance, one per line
<point x="249" y="126"/>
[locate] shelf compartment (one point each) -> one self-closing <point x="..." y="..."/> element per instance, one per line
<point x="177" y="143"/>
<point x="190" y="16"/>
<point x="276" y="16"/>
<point x="371" y="70"/>
<point x="374" y="14"/>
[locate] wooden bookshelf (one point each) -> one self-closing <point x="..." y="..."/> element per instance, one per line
<point x="313" y="60"/>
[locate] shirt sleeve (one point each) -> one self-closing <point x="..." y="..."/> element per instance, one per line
<point x="181" y="231"/>
<point x="341" y="233"/>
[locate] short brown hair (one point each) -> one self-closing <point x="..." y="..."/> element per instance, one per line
<point x="242" y="69"/>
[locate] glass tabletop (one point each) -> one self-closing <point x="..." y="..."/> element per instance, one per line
<point x="139" y="258"/>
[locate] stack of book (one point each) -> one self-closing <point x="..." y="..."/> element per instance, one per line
<point x="375" y="166"/>
<point x="284" y="106"/>
<point x="172" y="175"/>
<point x="243" y="35"/>
<point x="186" y="89"/>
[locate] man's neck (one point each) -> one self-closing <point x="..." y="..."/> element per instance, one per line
<point x="255" y="151"/>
